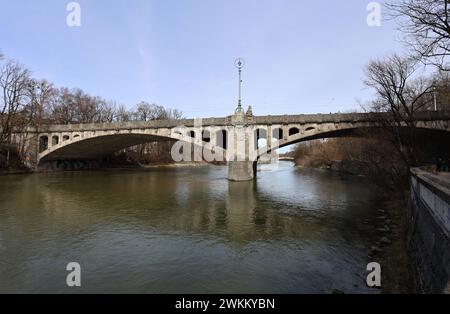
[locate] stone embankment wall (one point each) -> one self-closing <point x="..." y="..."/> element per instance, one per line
<point x="429" y="229"/>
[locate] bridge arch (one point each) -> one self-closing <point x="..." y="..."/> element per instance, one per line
<point x="335" y="131"/>
<point x="93" y="145"/>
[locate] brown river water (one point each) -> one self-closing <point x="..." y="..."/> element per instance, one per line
<point x="187" y="230"/>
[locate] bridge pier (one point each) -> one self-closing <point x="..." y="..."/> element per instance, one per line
<point x="241" y="150"/>
<point x="241" y="170"/>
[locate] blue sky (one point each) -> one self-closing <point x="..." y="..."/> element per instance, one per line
<point x="301" y="56"/>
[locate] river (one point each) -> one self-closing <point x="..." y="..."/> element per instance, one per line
<point x="187" y="230"/>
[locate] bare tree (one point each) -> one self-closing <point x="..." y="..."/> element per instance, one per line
<point x="63" y="109"/>
<point x="175" y="114"/>
<point x="427" y="28"/>
<point x="42" y="97"/>
<point x="86" y="107"/>
<point x="107" y="111"/>
<point x="75" y="106"/>
<point x="35" y="113"/>
<point x="147" y="112"/>
<point x="401" y="96"/>
<point x="14" y="85"/>
<point x="123" y="115"/>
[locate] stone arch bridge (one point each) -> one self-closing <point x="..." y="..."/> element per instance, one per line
<point x="233" y="139"/>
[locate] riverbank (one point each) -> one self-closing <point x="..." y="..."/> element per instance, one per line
<point x="21" y="171"/>
<point x="352" y="167"/>
<point x="5" y="172"/>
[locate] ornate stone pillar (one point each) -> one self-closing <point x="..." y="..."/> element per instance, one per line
<point x="240" y="164"/>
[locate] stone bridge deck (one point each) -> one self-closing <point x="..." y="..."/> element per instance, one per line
<point x="256" y="120"/>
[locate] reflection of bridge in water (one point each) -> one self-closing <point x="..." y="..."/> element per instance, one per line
<point x="240" y="212"/>
<point x="233" y="139"/>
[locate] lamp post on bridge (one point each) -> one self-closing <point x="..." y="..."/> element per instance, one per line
<point x="239" y="116"/>
<point x="239" y="63"/>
